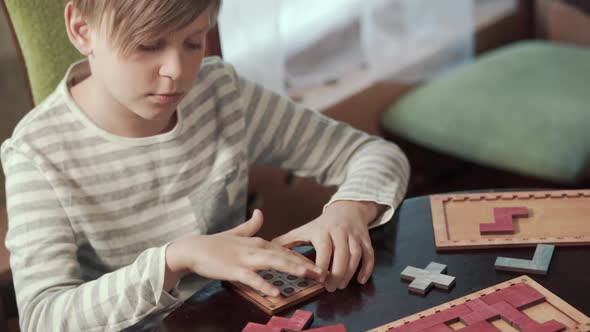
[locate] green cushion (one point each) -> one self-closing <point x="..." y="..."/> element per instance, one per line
<point x="523" y="108"/>
<point x="40" y="29"/>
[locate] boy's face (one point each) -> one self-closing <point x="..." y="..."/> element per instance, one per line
<point x="151" y="80"/>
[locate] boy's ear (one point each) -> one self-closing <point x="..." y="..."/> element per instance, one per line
<point x="78" y="29"/>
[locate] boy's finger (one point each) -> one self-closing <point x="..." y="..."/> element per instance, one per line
<point x="256" y="282"/>
<point x="288" y="240"/>
<point x="293" y="252"/>
<point x="323" y="247"/>
<point x="341" y="258"/>
<point x="288" y="263"/>
<point x="368" y="262"/>
<point x="356" y="252"/>
<point x="250" y="227"/>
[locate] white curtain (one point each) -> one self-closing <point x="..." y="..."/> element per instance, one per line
<point x="294" y="43"/>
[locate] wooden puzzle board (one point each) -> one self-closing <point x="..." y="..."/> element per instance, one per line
<point x="556" y="217"/>
<point x="294" y="290"/>
<point x="552" y="307"/>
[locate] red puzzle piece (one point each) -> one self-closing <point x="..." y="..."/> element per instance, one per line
<point x="255" y="327"/>
<point x="433" y="320"/>
<point x="517" y="295"/>
<point x="479" y="327"/>
<point x="439" y="328"/>
<point x="481" y="312"/>
<point x="523" y="323"/>
<point x="300" y="320"/>
<point x="503" y="220"/>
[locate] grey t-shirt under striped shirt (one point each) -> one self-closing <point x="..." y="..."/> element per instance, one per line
<point x="91" y="213"/>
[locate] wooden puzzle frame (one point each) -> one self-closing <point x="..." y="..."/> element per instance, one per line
<point x="555" y="217"/>
<point x="553" y="307"/>
<point x="275" y="304"/>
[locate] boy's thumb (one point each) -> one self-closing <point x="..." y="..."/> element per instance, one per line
<point x="250" y="227"/>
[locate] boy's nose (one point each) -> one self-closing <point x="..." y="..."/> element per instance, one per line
<point x="171" y="65"/>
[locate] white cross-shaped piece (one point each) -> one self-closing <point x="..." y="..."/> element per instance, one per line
<point x="424" y="279"/>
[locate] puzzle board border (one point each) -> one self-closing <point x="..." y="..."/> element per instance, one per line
<point x="554" y="300"/>
<point x="439" y="222"/>
<point x="270" y="307"/>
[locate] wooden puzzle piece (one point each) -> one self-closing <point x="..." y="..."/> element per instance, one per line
<point x="518" y="296"/>
<point x="424" y="279"/>
<point x="523" y="323"/>
<point x="298" y="321"/>
<point x="504" y="223"/>
<point x="538" y="265"/>
<point x="477" y="313"/>
<point x="479" y="327"/>
<point x="255" y="327"/>
<point x="438" y="319"/>
<point x="439" y="328"/>
<point x="482" y="312"/>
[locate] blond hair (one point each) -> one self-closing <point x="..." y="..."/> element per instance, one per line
<point x="134" y="22"/>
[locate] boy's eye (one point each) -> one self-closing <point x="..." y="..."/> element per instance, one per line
<point x="194" y="46"/>
<point x="150" y="48"/>
<point x="157" y="47"/>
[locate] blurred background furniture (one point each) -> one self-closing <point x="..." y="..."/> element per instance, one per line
<point x="521" y="108"/>
<point x="568" y="21"/>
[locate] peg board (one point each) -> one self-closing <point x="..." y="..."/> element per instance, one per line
<point x="292" y="291"/>
<point x="555" y="217"/>
<point x="551" y="307"/>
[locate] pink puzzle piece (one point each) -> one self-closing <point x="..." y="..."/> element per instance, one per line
<point x="300" y="320"/>
<point x="433" y="321"/>
<point x="503" y="220"/>
<point x="255" y="327"/>
<point x="479" y="327"/>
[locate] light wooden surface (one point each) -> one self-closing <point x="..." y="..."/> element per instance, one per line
<point x="555" y="217"/>
<point x="552" y="307"/>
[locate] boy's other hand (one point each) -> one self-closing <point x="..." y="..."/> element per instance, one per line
<point x="236" y="255"/>
<point x="342" y="231"/>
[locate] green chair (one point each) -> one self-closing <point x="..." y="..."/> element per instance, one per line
<point x="523" y="108"/>
<point x="41" y="41"/>
<point x="39" y="29"/>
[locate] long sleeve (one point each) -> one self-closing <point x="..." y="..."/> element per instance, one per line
<point x="284" y="134"/>
<point x="51" y="294"/>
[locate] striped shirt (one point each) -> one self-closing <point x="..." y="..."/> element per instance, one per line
<point x="91" y="213"/>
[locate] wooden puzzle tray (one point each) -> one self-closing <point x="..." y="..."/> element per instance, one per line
<point x="294" y="290"/>
<point x="554" y="217"/>
<point x="524" y="305"/>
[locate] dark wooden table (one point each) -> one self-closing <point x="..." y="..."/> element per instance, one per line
<point x="405" y="240"/>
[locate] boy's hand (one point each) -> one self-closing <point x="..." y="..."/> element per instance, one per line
<point x="342" y="230"/>
<point x="236" y="256"/>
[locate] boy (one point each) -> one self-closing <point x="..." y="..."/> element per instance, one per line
<point x="126" y="188"/>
